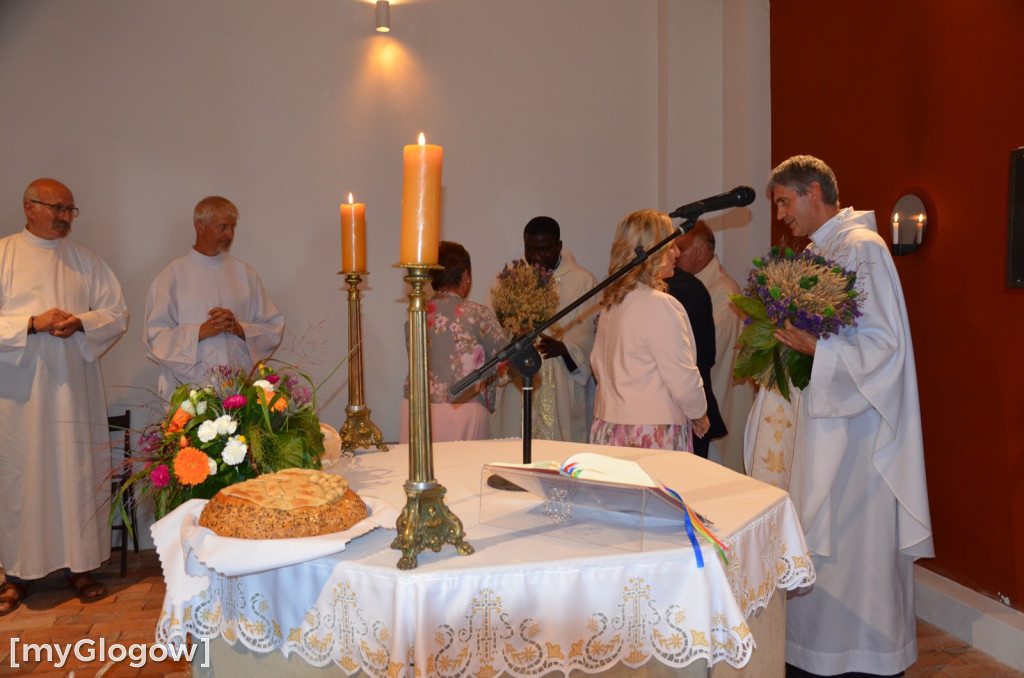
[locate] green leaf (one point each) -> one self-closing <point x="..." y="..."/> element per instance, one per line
<point x="799" y="365"/>
<point x="781" y="381"/>
<point x="743" y="368"/>
<point x="761" y="360"/>
<point x="758" y="334"/>
<point x="751" y="307"/>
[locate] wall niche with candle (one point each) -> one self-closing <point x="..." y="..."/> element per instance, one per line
<point x="909" y="222"/>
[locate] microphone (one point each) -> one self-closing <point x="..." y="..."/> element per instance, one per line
<point x="741" y="196"/>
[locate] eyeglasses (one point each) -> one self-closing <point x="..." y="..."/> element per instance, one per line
<point x="58" y="208"/>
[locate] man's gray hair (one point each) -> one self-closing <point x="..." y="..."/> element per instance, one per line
<point x="800" y="171"/>
<point x="213" y="205"/>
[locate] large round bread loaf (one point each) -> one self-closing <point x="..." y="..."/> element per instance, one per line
<point x="290" y="503"/>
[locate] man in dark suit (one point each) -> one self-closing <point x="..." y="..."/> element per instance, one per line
<point x="694" y="297"/>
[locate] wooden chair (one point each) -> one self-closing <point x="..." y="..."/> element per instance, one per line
<point x="122" y="424"/>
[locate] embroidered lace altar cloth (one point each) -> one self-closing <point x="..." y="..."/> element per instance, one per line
<point x="523" y="604"/>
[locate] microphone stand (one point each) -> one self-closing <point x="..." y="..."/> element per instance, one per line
<point x="524" y="355"/>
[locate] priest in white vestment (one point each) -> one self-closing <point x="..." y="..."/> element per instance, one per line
<point x="207" y="309"/>
<point x="857" y="476"/>
<point x="697" y="256"/>
<point x="61" y="308"/>
<point x="560" y="388"/>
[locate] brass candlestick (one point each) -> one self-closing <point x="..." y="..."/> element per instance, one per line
<point x="358" y="430"/>
<point x="426" y="522"/>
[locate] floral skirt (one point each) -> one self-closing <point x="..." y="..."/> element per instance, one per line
<point x="645" y="436"/>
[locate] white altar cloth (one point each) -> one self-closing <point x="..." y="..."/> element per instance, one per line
<point x="522" y="604"/>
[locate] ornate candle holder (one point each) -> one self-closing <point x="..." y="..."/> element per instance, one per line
<point x="358" y="430"/>
<point x="426" y="521"/>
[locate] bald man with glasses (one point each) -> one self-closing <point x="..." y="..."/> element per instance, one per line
<point x="61" y="308"/>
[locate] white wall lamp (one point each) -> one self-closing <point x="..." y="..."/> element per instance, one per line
<point x="383" y="16"/>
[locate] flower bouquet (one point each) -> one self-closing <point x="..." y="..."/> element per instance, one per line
<point x="214" y="436"/>
<point x="812" y="292"/>
<point x="524" y="297"/>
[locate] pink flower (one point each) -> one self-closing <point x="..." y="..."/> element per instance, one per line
<point x="471" y="361"/>
<point x="273" y="378"/>
<point x="234" y="402"/>
<point x="160" y="476"/>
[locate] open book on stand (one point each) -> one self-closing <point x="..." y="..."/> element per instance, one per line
<point x="598" y="482"/>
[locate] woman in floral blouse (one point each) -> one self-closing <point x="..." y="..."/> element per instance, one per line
<point x="461" y="336"/>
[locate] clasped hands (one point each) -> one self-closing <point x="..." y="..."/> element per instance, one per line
<point x="221" y="320"/>
<point x="57" y="323"/>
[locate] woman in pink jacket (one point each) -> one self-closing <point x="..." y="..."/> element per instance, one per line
<point x="649" y="392"/>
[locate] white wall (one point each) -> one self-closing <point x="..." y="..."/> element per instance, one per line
<point x="580" y="109"/>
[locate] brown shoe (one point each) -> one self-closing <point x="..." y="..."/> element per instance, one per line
<point x="11" y="595"/>
<point x="85" y="587"/>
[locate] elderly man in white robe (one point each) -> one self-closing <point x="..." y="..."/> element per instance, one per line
<point x="560" y="388"/>
<point x="697" y="257"/>
<point x="857" y="477"/>
<point x="208" y="310"/>
<point x="61" y="308"/>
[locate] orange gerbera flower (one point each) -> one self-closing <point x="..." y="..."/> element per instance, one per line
<point x="191" y="466"/>
<point x="279" y="405"/>
<point x="178" y="421"/>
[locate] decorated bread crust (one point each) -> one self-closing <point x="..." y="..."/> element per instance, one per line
<point x="289" y="503"/>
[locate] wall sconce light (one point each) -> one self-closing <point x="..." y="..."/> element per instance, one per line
<point x="909" y="224"/>
<point x="383" y="16"/>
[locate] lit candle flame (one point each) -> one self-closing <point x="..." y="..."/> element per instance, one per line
<point x="423" y="139"/>
<point x="349" y="198"/>
<point x="920" y="218"/>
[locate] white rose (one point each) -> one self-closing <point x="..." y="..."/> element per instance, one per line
<point x="187" y="406"/>
<point x="264" y="384"/>
<point x="201" y="407"/>
<point x="225" y="424"/>
<point x="207" y="431"/>
<point x="213" y="466"/>
<point x="234" y="450"/>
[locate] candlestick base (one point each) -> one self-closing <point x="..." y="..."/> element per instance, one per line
<point x="904" y="248"/>
<point x="426" y="522"/>
<point x="359" y="431"/>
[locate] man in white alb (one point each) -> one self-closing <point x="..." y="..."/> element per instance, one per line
<point x="61" y="308"/>
<point x="207" y="309"/>
<point x="857" y="478"/>
<point x="560" y="393"/>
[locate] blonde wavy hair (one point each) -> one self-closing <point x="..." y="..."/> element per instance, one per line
<point x="643" y="228"/>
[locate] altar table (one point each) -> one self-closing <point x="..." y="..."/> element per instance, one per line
<point x="523" y="604"/>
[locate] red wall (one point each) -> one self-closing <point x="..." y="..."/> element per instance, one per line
<point x="928" y="95"/>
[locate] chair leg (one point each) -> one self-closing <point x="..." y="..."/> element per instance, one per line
<point x="124" y="550"/>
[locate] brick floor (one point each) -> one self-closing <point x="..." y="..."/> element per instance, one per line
<point x="129" y="612"/>
<point x="126" y="615"/>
